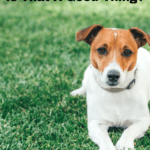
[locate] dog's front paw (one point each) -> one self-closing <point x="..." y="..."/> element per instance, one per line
<point x="125" y="145"/>
<point x="80" y="91"/>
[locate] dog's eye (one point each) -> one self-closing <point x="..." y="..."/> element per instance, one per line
<point x="102" y="51"/>
<point x="127" y="53"/>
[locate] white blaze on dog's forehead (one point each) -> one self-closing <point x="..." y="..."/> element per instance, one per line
<point x="114" y="57"/>
<point x="115" y="35"/>
<point x="114" y="49"/>
<point x="115" y="32"/>
<point x="115" y="41"/>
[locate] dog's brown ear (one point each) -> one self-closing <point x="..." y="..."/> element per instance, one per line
<point x="140" y="36"/>
<point x="88" y="34"/>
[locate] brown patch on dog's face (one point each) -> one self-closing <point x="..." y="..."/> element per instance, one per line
<point x="108" y="45"/>
<point x="116" y="42"/>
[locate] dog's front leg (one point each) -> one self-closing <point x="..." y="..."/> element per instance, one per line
<point x="98" y="134"/>
<point x="136" y="130"/>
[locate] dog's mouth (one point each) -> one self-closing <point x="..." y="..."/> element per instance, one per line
<point x="112" y="83"/>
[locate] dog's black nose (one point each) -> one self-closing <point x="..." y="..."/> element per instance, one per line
<point x="113" y="75"/>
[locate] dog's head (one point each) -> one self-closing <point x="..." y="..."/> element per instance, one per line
<point x="113" y="52"/>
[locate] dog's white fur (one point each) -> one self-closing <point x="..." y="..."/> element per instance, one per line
<point x="128" y="108"/>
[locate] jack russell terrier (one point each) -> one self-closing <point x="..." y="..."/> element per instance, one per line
<point x="116" y="84"/>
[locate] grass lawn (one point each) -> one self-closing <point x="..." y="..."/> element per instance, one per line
<point x="41" y="63"/>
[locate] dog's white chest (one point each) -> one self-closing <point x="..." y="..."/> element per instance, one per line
<point x="108" y="108"/>
<point x="114" y="109"/>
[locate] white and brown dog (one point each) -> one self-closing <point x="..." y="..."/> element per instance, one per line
<point x="116" y="84"/>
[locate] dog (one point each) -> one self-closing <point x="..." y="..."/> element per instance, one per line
<point x="116" y="84"/>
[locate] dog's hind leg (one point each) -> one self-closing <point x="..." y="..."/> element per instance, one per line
<point x="80" y="91"/>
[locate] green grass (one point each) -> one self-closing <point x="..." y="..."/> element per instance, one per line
<point x="41" y="63"/>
